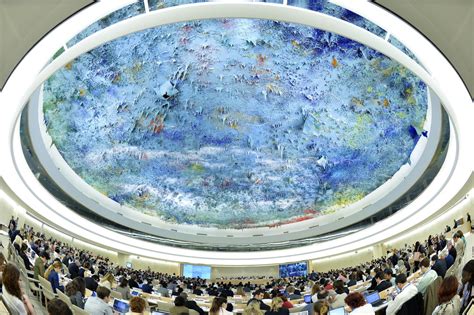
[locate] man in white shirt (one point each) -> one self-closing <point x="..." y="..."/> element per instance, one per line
<point x="429" y="275"/>
<point x="99" y="305"/>
<point x="406" y="292"/>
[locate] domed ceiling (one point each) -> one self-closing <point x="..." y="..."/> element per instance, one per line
<point x="234" y="123"/>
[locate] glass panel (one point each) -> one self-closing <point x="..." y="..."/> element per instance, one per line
<point x="114" y="17"/>
<point x="395" y="42"/>
<point x="328" y="8"/>
<point x="161" y="4"/>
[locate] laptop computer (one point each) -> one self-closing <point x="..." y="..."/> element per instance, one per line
<point x="374" y="299"/>
<point x="307" y="299"/>
<point x="121" y="307"/>
<point x="338" y="311"/>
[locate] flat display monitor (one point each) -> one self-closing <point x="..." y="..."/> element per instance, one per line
<point x="120" y="306"/>
<point x="294" y="270"/>
<point x="337" y="311"/>
<point x="195" y="271"/>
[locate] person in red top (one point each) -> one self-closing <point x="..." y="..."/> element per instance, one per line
<point x="286" y="303"/>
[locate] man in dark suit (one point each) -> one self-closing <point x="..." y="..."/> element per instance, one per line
<point x="192" y="305"/>
<point x="439" y="265"/>
<point x="92" y="282"/>
<point x="74" y="269"/>
<point x="258" y="296"/>
<point x="146" y="287"/>
<point x="197" y="290"/>
<point x="382" y="284"/>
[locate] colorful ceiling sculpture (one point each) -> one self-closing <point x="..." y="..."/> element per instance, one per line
<point x="235" y="123"/>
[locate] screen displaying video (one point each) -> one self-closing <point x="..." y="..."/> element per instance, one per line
<point x="195" y="271"/>
<point x="294" y="270"/>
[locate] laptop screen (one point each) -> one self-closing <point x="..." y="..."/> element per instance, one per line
<point x="121" y="306"/>
<point x="372" y="297"/>
<point x="135" y="293"/>
<point x="307" y="298"/>
<point x="337" y="311"/>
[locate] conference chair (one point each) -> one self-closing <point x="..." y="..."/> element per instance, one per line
<point x="77" y="310"/>
<point x="164" y="307"/>
<point x="63" y="297"/>
<point x="431" y="299"/>
<point x="46" y="290"/>
<point x="10" y="310"/>
<point x="414" y="305"/>
<point x="33" y="285"/>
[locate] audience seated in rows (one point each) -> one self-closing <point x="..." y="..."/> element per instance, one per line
<point x="329" y="289"/>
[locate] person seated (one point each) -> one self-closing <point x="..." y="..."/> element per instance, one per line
<point x="439" y="264"/>
<point x="124" y="289"/>
<point x="356" y="304"/>
<point x="428" y="277"/>
<point x="292" y="295"/>
<point x="253" y="308"/>
<point x="467" y="281"/>
<point x="53" y="276"/>
<point x="449" y="301"/>
<point x="218" y="306"/>
<point x="179" y="307"/>
<point x="388" y="276"/>
<point x="382" y="284"/>
<point x="197" y="290"/>
<point x="163" y="290"/>
<point x="286" y="303"/>
<point x="352" y="279"/>
<point x="12" y="293"/>
<point x="192" y="305"/>
<point x="320" y="308"/>
<point x="314" y="292"/>
<point x="405" y="290"/>
<point x="76" y="290"/>
<point x="73" y="269"/>
<point x="138" y="306"/>
<point x="92" y="281"/>
<point x="146" y="287"/>
<point x="178" y="291"/>
<point x="258" y="296"/>
<point x="99" y="304"/>
<point x="24" y="256"/>
<point x="132" y="283"/>
<point x="58" y="307"/>
<point x="277" y="308"/>
<point x="337" y="300"/>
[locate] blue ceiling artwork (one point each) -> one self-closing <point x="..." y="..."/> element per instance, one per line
<point x="234" y="123"/>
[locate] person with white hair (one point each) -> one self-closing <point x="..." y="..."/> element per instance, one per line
<point x="439" y="263"/>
